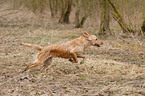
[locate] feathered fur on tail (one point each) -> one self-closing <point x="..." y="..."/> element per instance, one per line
<point x="31" y="45"/>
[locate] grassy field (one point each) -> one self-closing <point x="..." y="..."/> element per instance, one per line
<point x="115" y="69"/>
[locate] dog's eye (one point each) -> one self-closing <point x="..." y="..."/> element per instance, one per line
<point x="96" y="39"/>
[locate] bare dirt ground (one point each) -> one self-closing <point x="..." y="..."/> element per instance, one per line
<point x="116" y="68"/>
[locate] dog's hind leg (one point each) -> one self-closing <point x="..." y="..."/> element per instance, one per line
<point x="33" y="65"/>
<point x="41" y="58"/>
<point x="46" y="63"/>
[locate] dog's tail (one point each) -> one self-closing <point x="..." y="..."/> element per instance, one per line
<point x="31" y="45"/>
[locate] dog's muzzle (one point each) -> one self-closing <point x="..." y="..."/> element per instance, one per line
<point x="97" y="45"/>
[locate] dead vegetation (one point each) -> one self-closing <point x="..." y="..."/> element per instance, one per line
<point x="115" y="69"/>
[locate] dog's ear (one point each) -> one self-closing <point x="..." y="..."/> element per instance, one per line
<point x="85" y="34"/>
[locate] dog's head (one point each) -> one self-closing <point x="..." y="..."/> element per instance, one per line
<point x="93" y="40"/>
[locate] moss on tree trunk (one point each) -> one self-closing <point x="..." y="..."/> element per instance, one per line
<point x="119" y="19"/>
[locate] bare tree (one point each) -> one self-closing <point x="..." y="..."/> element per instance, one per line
<point x="53" y="4"/>
<point x="65" y="11"/>
<point x="143" y="27"/>
<point x="105" y="17"/>
<point x="77" y="14"/>
<point x="84" y="9"/>
<point x="79" y="22"/>
<point x="116" y="15"/>
<point x="143" y="15"/>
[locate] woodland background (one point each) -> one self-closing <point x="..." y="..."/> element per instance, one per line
<point x="116" y="68"/>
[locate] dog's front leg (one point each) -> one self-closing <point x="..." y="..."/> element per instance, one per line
<point x="79" y="56"/>
<point x="74" y="58"/>
<point x="71" y="60"/>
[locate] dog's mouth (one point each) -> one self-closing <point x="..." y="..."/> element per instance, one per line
<point x="97" y="45"/>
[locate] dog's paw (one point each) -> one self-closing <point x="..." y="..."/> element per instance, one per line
<point x="71" y="60"/>
<point x="82" y="62"/>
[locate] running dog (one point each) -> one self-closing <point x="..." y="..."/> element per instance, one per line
<point x="71" y="50"/>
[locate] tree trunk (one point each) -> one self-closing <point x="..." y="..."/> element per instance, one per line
<point x="66" y="12"/>
<point x="77" y="14"/>
<point x="119" y="19"/>
<point x="78" y="23"/>
<point x="77" y="20"/>
<point x="63" y="6"/>
<point x="53" y="7"/>
<point x="105" y="17"/>
<point x="81" y="23"/>
<point x="143" y="26"/>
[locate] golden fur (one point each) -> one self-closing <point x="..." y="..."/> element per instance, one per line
<point x="71" y="49"/>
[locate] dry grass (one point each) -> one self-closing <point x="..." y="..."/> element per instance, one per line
<point x="114" y="69"/>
